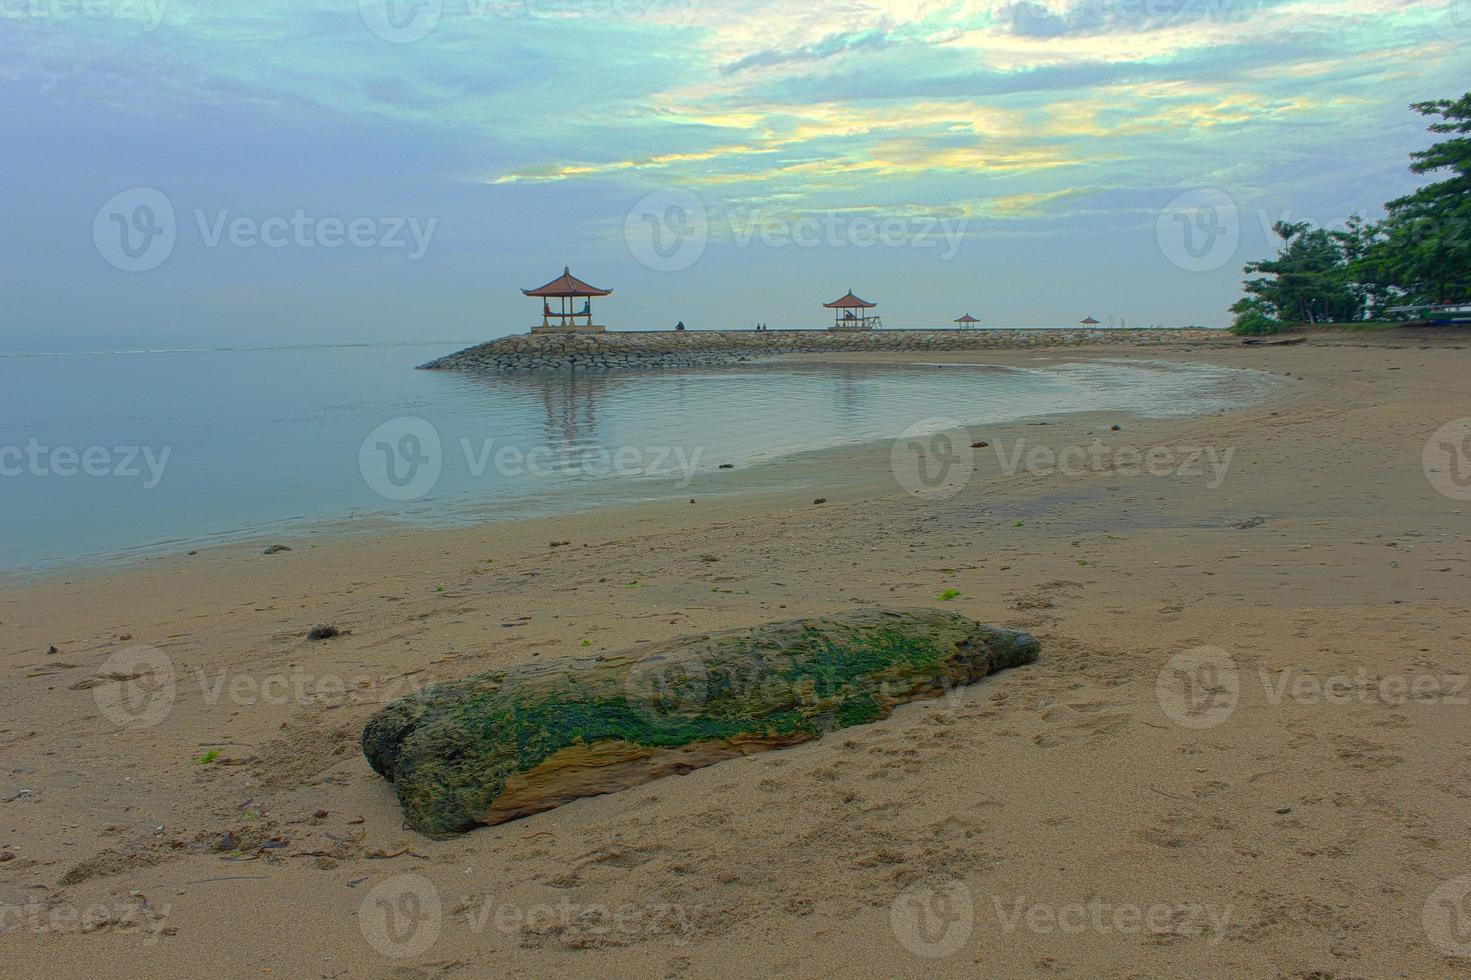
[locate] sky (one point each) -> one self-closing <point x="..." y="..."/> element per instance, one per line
<point x="262" y="172"/>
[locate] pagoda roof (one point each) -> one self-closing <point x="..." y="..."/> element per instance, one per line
<point x="967" y="319"/>
<point x="567" y="285"/>
<point x="1089" y="322"/>
<point x="850" y="302"/>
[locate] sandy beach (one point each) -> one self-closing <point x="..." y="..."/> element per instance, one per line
<point x="1084" y="816"/>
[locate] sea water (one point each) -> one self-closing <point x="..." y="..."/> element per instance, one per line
<point x="119" y="455"/>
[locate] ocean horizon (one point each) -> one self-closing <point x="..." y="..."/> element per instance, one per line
<point x="453" y="344"/>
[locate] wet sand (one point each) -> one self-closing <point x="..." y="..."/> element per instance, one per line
<point x="1243" y="752"/>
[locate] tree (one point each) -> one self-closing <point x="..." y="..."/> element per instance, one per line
<point x="1421" y="253"/>
<point x="1308" y="282"/>
<point x="1373" y="285"/>
<point x="1255" y="316"/>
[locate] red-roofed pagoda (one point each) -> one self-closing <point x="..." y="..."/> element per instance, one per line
<point x="567" y="289"/>
<point x="851" y="313"/>
<point x="967" y="322"/>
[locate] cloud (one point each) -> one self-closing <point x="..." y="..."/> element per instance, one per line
<point x="827" y="47"/>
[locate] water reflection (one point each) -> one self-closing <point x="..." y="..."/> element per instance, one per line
<point x="578" y="411"/>
<point x="272" y="440"/>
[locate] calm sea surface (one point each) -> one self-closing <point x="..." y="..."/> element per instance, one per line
<point x="114" y="456"/>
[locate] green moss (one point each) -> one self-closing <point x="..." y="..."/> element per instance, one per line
<point x="859" y="711"/>
<point x="451" y="749"/>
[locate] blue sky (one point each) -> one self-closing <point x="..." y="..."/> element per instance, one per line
<point x="365" y="170"/>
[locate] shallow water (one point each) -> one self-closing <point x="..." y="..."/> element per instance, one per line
<point x="112" y="456"/>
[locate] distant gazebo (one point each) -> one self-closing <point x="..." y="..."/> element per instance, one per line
<point x="851" y="313"/>
<point x="567" y="318"/>
<point x="1090" y="322"/>
<point x="967" y="322"/>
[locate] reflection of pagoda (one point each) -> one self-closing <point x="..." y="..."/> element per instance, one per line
<point x="568" y="404"/>
<point x="571" y="409"/>
<point x="851" y="313"/>
<point x="567" y="289"/>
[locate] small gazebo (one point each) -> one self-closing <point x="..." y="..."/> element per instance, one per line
<point x="851" y="313"/>
<point x="567" y="318"/>
<point x="967" y="322"/>
<point x="1089" y="322"/>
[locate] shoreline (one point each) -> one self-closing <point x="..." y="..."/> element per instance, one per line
<point x="1325" y="553"/>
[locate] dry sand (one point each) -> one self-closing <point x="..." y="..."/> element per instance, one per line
<point x="1057" y="819"/>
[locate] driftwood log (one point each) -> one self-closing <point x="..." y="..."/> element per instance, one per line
<point x="503" y="745"/>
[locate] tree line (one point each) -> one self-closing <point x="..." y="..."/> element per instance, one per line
<point x="1419" y="255"/>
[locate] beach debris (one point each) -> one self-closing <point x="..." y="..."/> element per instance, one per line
<point x="980" y="445"/>
<point x="324" y="633"/>
<point x="226" y="842"/>
<point x="275" y="549"/>
<point x="1283" y="810"/>
<point x="1250" y="523"/>
<point x="1115" y="428"/>
<point x="52" y="651"/>
<point x="503" y="745"/>
<point x="820" y="500"/>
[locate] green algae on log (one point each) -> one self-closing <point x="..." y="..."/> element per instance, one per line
<point x="506" y="744"/>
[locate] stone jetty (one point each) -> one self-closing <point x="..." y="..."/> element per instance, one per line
<point x="640" y="350"/>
